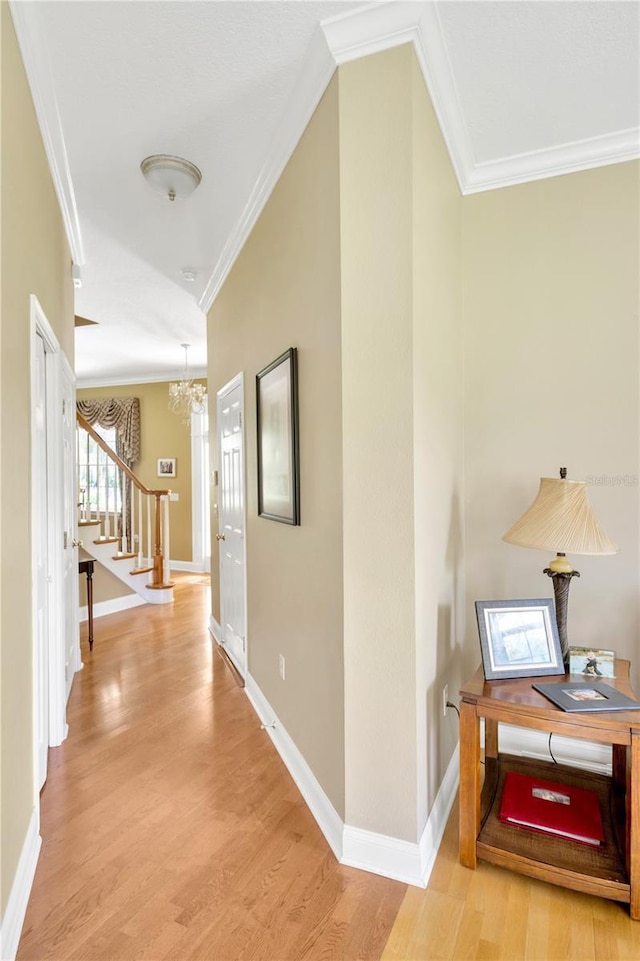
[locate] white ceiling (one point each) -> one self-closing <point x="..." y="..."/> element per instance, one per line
<point x="522" y="90"/>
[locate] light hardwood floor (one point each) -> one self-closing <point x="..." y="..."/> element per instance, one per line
<point x="173" y="831"/>
<point x="171" y="828"/>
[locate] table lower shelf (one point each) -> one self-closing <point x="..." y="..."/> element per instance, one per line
<point x="582" y="867"/>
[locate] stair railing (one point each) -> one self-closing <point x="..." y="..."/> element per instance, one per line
<point x="130" y="520"/>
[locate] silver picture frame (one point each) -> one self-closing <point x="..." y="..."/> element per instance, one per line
<point x="519" y="638"/>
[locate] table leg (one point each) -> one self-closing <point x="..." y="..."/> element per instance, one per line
<point x="633" y="825"/>
<point x="469" y="783"/>
<point x="90" y="606"/>
<point x="490" y="738"/>
<point x="619" y="766"/>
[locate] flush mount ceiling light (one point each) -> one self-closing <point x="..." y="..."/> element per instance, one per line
<point x="171" y="176"/>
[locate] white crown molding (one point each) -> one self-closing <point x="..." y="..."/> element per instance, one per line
<point x="435" y="66"/>
<point x="379" y="27"/>
<point x="318" y="70"/>
<point x="360" y="33"/>
<point x="34" y="56"/>
<point x="14" y="915"/>
<point x="129" y="380"/>
<point x="617" y="147"/>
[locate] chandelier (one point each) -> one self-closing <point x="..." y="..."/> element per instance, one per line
<point x="185" y="397"/>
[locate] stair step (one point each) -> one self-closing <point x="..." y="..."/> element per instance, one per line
<point x="141" y="570"/>
<point x="89" y="523"/>
<point x="161" y="587"/>
<point x="122" y="557"/>
<point x="106" y="540"/>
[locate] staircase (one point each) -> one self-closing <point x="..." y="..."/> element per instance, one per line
<point x="122" y="524"/>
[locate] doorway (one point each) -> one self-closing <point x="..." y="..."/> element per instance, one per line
<point x="56" y="654"/>
<point x="232" y="521"/>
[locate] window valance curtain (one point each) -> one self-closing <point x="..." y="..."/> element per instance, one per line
<point x="123" y="413"/>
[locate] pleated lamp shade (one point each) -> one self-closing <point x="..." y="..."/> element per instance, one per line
<point x="561" y="519"/>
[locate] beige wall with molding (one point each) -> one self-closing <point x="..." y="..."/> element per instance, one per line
<point x="35" y="260"/>
<point x="438" y="440"/>
<point x="162" y="434"/>
<point x="376" y="200"/>
<point x="552" y="294"/>
<point x="284" y="291"/>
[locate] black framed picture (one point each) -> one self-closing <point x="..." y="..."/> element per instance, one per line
<point x="519" y="638"/>
<point x="278" y="442"/>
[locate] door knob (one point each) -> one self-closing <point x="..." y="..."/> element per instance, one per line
<point x="77" y="544"/>
<point x="220" y="537"/>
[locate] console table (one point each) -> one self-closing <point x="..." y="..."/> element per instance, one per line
<point x="86" y="567"/>
<point x="611" y="870"/>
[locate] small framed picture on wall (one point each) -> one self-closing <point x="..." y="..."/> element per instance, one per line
<point x="166" y="467"/>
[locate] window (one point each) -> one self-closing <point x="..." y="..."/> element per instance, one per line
<point x="99" y="481"/>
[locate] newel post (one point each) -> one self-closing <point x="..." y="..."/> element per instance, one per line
<point x="158" y="571"/>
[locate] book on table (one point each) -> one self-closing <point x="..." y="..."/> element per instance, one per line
<point x="552" y="808"/>
<point x="593" y="696"/>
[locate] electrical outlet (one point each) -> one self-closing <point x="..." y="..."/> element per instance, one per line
<point x="281" y="664"/>
<point x="445" y="699"/>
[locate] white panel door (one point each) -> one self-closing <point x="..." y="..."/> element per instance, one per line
<point x="72" y="661"/>
<point x="231" y="527"/>
<point x="41" y="580"/>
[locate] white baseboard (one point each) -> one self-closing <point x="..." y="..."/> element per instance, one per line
<point x="193" y="567"/>
<point x="13" y="919"/>
<point x="215" y="629"/>
<point x="404" y="860"/>
<point x="113" y="606"/>
<point x="328" y="819"/>
<point x="438" y="817"/>
<point x="587" y="755"/>
<point x="390" y="857"/>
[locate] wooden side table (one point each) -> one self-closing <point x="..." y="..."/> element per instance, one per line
<point x="610" y="871"/>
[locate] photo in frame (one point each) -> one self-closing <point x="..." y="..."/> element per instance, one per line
<point x="166" y="467"/>
<point x="519" y="638"/>
<point x="278" y="440"/>
<point x="592" y="662"/>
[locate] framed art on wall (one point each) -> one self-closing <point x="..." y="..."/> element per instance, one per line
<point x="166" y="467"/>
<point x="278" y="443"/>
<point x="519" y="638"/>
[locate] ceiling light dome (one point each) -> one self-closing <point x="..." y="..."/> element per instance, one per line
<point x="171" y="176"/>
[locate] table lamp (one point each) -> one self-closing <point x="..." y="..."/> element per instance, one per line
<point x="561" y="519"/>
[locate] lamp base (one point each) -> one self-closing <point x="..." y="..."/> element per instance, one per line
<point x="561" y="584"/>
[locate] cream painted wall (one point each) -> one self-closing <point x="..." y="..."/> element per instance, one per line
<point x="552" y="290"/>
<point x="35" y="260"/>
<point x="377" y="426"/>
<point x="284" y="291"/>
<point x="438" y="438"/>
<point x="162" y="435"/>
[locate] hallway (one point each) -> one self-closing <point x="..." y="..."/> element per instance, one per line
<point x="171" y="829"/>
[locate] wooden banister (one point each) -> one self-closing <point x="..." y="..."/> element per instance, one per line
<point x="117" y="460"/>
